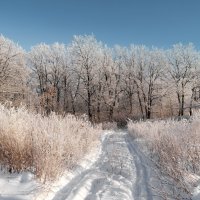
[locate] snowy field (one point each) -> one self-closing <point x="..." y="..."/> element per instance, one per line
<point x="118" y="173"/>
<point x="116" y="170"/>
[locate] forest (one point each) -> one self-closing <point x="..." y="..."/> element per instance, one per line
<point x="107" y="84"/>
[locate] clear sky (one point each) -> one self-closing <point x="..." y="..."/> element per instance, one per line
<point x="159" y="23"/>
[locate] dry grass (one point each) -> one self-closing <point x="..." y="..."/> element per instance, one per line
<point x="174" y="146"/>
<point x="44" y="145"/>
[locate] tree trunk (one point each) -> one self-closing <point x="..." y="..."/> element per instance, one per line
<point x="140" y="102"/>
<point x="98" y="111"/>
<point x="111" y="113"/>
<point x="73" y="103"/>
<point x="131" y="103"/>
<point x="182" y="104"/>
<point x="89" y="105"/>
<point x="179" y="104"/>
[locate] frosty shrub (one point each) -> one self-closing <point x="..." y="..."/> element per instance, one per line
<point x="44" y="145"/>
<point x="174" y="146"/>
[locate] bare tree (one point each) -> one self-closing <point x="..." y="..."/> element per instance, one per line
<point x="48" y="64"/>
<point x="112" y="77"/>
<point x="128" y="85"/>
<point x="182" y="62"/>
<point x="149" y="67"/>
<point x="13" y="73"/>
<point x="86" y="55"/>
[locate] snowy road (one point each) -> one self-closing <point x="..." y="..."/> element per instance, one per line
<point x="119" y="173"/>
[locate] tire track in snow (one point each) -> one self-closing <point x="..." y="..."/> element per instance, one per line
<point x="142" y="189"/>
<point x="118" y="173"/>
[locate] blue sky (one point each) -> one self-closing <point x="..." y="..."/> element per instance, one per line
<point x="159" y="23"/>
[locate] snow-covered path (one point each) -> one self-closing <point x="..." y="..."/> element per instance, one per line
<point x="119" y="173"/>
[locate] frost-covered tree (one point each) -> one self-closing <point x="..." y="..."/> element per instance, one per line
<point x="13" y="72"/>
<point x="88" y="77"/>
<point x="86" y="53"/>
<point x="128" y="78"/>
<point x="149" y="66"/>
<point x="48" y="64"/>
<point x="182" y="64"/>
<point x="111" y="84"/>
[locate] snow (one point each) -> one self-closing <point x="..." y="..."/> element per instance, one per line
<point x="68" y="178"/>
<point x="23" y="186"/>
<point x="196" y="193"/>
<point x="118" y="173"/>
<point x="18" y="186"/>
<point x="115" y="170"/>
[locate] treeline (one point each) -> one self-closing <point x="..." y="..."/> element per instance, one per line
<point x="107" y="84"/>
